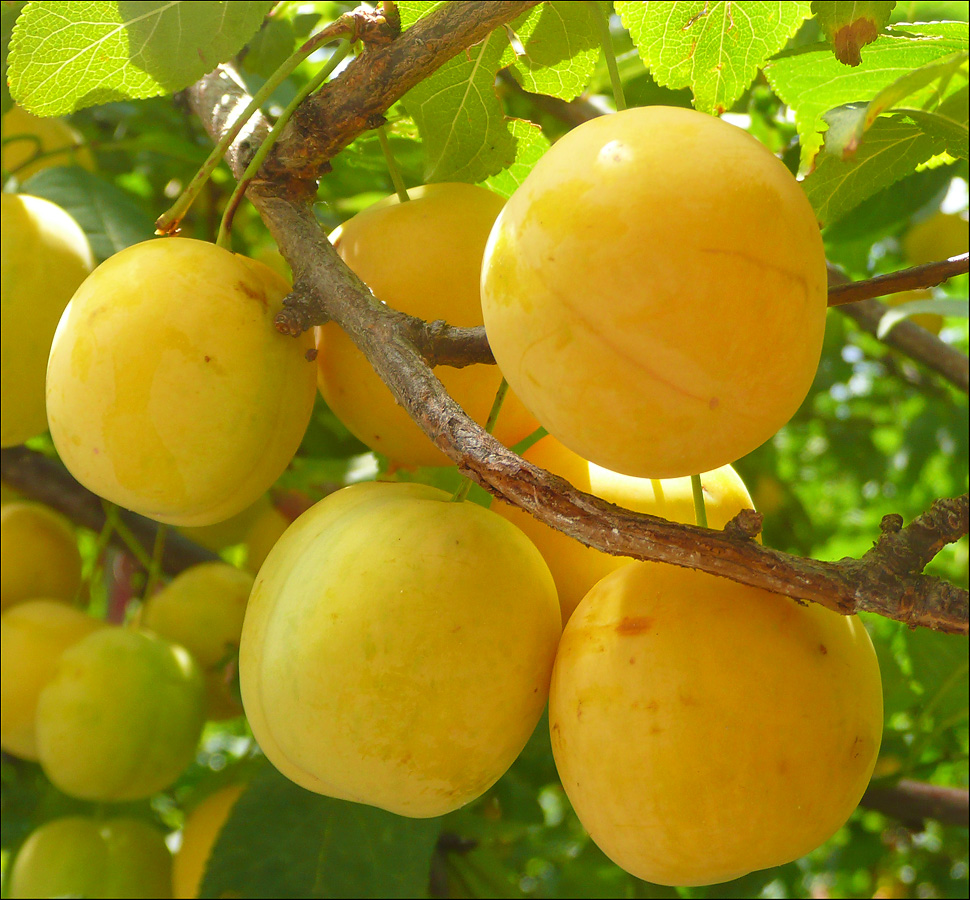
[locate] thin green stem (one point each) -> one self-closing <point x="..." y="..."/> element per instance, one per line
<point x="225" y="227"/>
<point x="155" y="569"/>
<point x="503" y="388"/>
<point x="168" y="222"/>
<point x="603" y="18"/>
<point x="529" y="441"/>
<point x="700" y="510"/>
<point x="104" y="536"/>
<point x="124" y="532"/>
<point x="392" y="166"/>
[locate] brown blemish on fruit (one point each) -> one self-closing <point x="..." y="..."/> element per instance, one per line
<point x="634" y="624"/>
<point x="254" y="295"/>
<point x="823" y="649"/>
<point x="687" y="699"/>
<point x="656" y="729"/>
<point x="579" y="710"/>
<point x="713" y="403"/>
<point x="311" y="354"/>
<point x="633" y="659"/>
<point x="207" y="358"/>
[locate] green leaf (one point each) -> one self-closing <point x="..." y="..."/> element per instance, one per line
<point x="559" y="49"/>
<point x="8" y="16"/>
<point x="283" y="841"/>
<point x="892" y="150"/>
<point x="110" y="219"/>
<point x="715" y="49"/>
<point x="948" y="122"/>
<point x="462" y="122"/>
<point x="812" y="82"/>
<point x="70" y="54"/>
<point x="850" y="26"/>
<point x="848" y="124"/>
<point x="531" y="144"/>
<point x="412" y="10"/>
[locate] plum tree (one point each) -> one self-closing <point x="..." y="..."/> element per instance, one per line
<point x="591" y="315"/>
<point x="121" y="716"/>
<point x="39" y="555"/>
<point x="576" y="567"/>
<point x="84" y="857"/>
<point x="44" y="258"/>
<point x="202" y="609"/>
<point x="421" y="634"/>
<point x="193" y="424"/>
<point x="703" y="728"/>
<point x="199" y="834"/>
<point x="33" y="635"/>
<point x="423" y="257"/>
<point x="52" y="141"/>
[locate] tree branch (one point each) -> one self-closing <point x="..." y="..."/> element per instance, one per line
<point x="356" y="101"/>
<point x="324" y="284"/>
<point x="46" y="481"/>
<point x="917" y="277"/>
<point x="913" y="801"/>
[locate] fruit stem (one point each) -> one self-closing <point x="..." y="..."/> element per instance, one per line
<point x="155" y="569"/>
<point x="503" y="389"/>
<point x="603" y="18"/>
<point x="168" y="222"/>
<point x="529" y="441"/>
<point x="124" y="532"/>
<point x="224" y="239"/>
<point x="392" y="166"/>
<point x="97" y="562"/>
<point x="700" y="510"/>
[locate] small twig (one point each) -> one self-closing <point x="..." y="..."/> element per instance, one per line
<point x="913" y="801"/>
<point x="917" y="277"/>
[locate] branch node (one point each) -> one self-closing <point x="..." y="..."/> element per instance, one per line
<point x="891" y="524"/>
<point x="746" y="525"/>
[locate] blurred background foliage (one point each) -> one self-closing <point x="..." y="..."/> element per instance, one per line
<point x="877" y="434"/>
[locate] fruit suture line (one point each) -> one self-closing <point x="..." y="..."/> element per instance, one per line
<point x="884" y="581"/>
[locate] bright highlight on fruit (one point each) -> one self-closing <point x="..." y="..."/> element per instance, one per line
<point x="44" y="257"/>
<point x="423" y="257"/>
<point x="655" y="292"/>
<point x="169" y="391"/>
<point x="703" y="729"/>
<point x="576" y="567"/>
<point x="397" y="648"/>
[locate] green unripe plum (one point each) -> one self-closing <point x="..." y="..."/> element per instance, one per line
<point x="33" y="635"/>
<point x="44" y="257"/>
<point x="38" y="555"/>
<point x="655" y="292"/>
<point x="121" y="717"/>
<point x="81" y="857"/>
<point x="199" y="835"/>
<point x="703" y="729"/>
<point x="26" y="135"/>
<point x="202" y="609"/>
<point x="397" y="648"/>
<point x="576" y="567"/>
<point x="169" y="390"/>
<point x="423" y="257"/>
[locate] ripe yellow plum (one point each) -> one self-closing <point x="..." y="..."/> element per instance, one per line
<point x="45" y="256"/>
<point x="262" y="536"/>
<point x="655" y="292"/>
<point x="423" y="257"/>
<point x="82" y="857"/>
<point x="397" y="648"/>
<point x="51" y="140"/>
<point x="703" y="729"/>
<point x="169" y="390"/>
<point x="38" y="555"/>
<point x="220" y="535"/>
<point x="199" y="835"/>
<point x="121" y="716"/>
<point x="930" y="321"/>
<point x="202" y="609"/>
<point x="33" y="635"/>
<point x="576" y="567"/>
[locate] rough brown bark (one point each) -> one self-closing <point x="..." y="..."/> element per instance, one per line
<point x="913" y="801"/>
<point x="883" y="581"/>
<point x="917" y="277"/>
